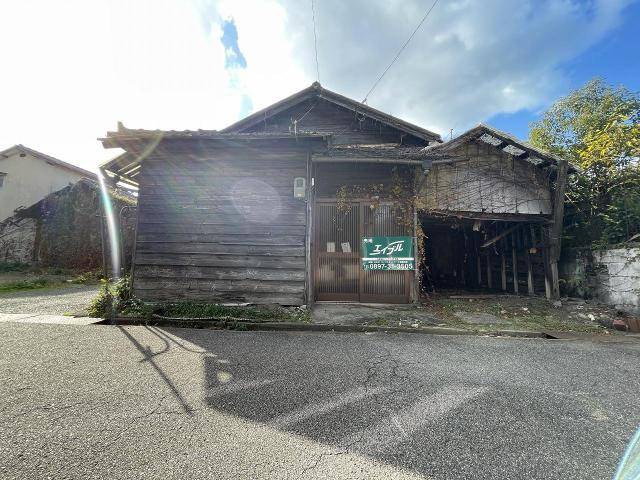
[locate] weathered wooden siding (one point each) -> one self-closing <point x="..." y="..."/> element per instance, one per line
<point x="221" y="227"/>
<point x="346" y="127"/>
<point x="488" y="181"/>
<point x="329" y="177"/>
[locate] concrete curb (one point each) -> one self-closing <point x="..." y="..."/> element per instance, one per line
<point x="316" y="327"/>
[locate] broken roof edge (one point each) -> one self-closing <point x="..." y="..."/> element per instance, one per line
<point x="315" y="89"/>
<point x="48" y="158"/>
<point x="121" y="167"/>
<point x="476" y="132"/>
<point x="132" y="134"/>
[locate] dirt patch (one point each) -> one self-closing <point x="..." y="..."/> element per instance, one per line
<point x="372" y="314"/>
<point x="521" y="312"/>
<point x="481" y="312"/>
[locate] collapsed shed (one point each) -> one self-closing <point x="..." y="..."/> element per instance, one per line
<point x="322" y="198"/>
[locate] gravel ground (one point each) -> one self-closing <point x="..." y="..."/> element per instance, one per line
<point x="59" y="301"/>
<point x="143" y="402"/>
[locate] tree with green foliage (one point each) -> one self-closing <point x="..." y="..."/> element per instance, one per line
<point x="597" y="128"/>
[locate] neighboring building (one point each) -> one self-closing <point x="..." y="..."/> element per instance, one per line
<point x="276" y="208"/>
<point x="27" y="176"/>
<point x="65" y="229"/>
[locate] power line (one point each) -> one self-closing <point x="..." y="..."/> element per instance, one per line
<point x="315" y="40"/>
<point x="399" y="52"/>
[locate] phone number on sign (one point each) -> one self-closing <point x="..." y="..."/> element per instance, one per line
<point x="388" y="266"/>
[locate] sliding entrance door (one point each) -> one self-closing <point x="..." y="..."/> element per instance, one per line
<point x="338" y="273"/>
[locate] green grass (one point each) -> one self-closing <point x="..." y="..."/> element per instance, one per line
<point x="13" y="267"/>
<point x="31" y="284"/>
<point x="198" y="310"/>
<point x="381" y="322"/>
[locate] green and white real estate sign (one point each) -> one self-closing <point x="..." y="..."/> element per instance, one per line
<point x="388" y="253"/>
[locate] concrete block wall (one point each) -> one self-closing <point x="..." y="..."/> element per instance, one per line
<point x="618" y="278"/>
<point x="611" y="276"/>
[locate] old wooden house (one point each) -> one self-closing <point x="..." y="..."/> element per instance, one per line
<point x="279" y="207"/>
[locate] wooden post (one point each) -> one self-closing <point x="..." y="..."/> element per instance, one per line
<point x="530" y="277"/>
<point x="463" y="260"/>
<point x="514" y="260"/>
<point x="527" y="257"/>
<point x="415" y="290"/>
<point x="545" y="262"/>
<point x="555" y="237"/>
<point x="503" y="264"/>
<point x="489" y="283"/>
<point x="308" y="232"/>
<point x="555" y="280"/>
<point x="479" y="269"/>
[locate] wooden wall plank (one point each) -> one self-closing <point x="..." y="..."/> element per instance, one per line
<point x="219" y="260"/>
<point x="219" y="273"/>
<point x="222" y="249"/>
<point x="218" y="227"/>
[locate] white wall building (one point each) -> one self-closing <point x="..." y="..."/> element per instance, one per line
<point x="26" y="176"/>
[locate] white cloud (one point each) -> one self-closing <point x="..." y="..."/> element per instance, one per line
<point x="74" y="68"/>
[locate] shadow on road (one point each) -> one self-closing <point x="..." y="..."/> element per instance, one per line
<point x="149" y="358"/>
<point x="446" y="406"/>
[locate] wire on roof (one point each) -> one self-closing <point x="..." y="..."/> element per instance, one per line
<point x="315" y="40"/>
<point x="399" y="52"/>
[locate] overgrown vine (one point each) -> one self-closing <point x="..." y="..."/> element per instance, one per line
<point x="403" y="195"/>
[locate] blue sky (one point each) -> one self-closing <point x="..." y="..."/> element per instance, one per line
<point x="616" y="59"/>
<point x="203" y="64"/>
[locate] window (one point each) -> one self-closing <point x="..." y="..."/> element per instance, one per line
<point x="2" y="175"/>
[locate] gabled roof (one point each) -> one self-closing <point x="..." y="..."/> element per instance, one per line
<point x="47" y="158"/>
<point x="502" y="141"/>
<point x="317" y="91"/>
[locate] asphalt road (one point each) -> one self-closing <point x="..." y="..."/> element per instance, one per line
<point x="137" y="402"/>
<point x="69" y="299"/>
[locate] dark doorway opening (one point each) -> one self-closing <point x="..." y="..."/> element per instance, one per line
<point x="483" y="254"/>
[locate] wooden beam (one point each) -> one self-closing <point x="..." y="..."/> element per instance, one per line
<point x="323" y="158"/>
<point x="503" y="234"/>
<point x="502" y="217"/>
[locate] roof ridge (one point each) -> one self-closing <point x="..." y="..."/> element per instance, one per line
<point x="316" y="89"/>
<point x="46" y="157"/>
